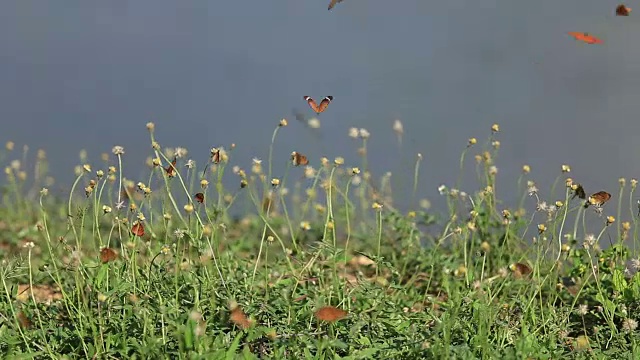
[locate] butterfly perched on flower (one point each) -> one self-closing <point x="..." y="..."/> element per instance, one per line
<point x="585" y="37"/>
<point x="171" y="169"/>
<point x="138" y="229"/>
<point x="520" y="269"/>
<point x="622" y="10"/>
<point x="107" y="255"/>
<point x="318" y="108"/>
<point x="598" y="199"/>
<point x="579" y="192"/>
<point x="333" y="3"/>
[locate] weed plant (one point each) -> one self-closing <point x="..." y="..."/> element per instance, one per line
<point x="318" y="264"/>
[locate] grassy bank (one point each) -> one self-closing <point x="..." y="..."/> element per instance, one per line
<point x="320" y="264"/>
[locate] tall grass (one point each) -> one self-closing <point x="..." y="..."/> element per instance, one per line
<point x="126" y="267"/>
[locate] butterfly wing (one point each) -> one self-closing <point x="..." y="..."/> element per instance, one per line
<point x="590" y="39"/>
<point x="622" y="10"/>
<point x="585" y="37"/>
<point x="171" y="168"/>
<point x="579" y="192"/>
<point x="603" y="196"/>
<point x="333" y="3"/>
<point x="324" y="103"/>
<point x="312" y="103"/>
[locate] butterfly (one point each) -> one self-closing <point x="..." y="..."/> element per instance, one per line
<point x="622" y="10"/>
<point x="107" y="255"/>
<point x="299" y="159"/>
<point x="520" y="269"/>
<point x="330" y="314"/>
<point x="579" y="192"/>
<point x="323" y="104"/>
<point x="171" y="169"/>
<point x="138" y="229"/>
<point x="333" y="3"/>
<point x="585" y="37"/>
<point x="598" y="199"/>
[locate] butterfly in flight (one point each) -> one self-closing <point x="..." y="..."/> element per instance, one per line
<point x="585" y="37"/>
<point x="622" y="10"/>
<point x="299" y="159"/>
<point x="323" y="104"/>
<point x="333" y="3"/>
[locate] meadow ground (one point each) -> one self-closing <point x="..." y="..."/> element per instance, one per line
<point x="317" y="266"/>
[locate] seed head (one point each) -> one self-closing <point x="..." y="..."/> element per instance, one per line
<point x="118" y="150"/>
<point x="397" y="127"/>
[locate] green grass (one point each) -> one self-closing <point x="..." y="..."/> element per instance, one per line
<point x="201" y="283"/>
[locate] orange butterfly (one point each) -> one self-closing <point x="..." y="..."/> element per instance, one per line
<point x="138" y="229"/>
<point x="333" y="3"/>
<point x="299" y="159"/>
<point x="598" y="199"/>
<point x="323" y="104"/>
<point x="622" y="10"/>
<point x="585" y="37"/>
<point x="330" y="314"/>
<point x="107" y="255"/>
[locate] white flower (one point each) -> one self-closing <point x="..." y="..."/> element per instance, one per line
<point x="180" y="152"/>
<point x="179" y="233"/>
<point x="314" y="123"/>
<point x="397" y="127"/>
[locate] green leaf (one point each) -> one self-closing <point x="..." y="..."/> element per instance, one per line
<point x="231" y="352"/>
<point x="635" y="285"/>
<point x="619" y="282"/>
